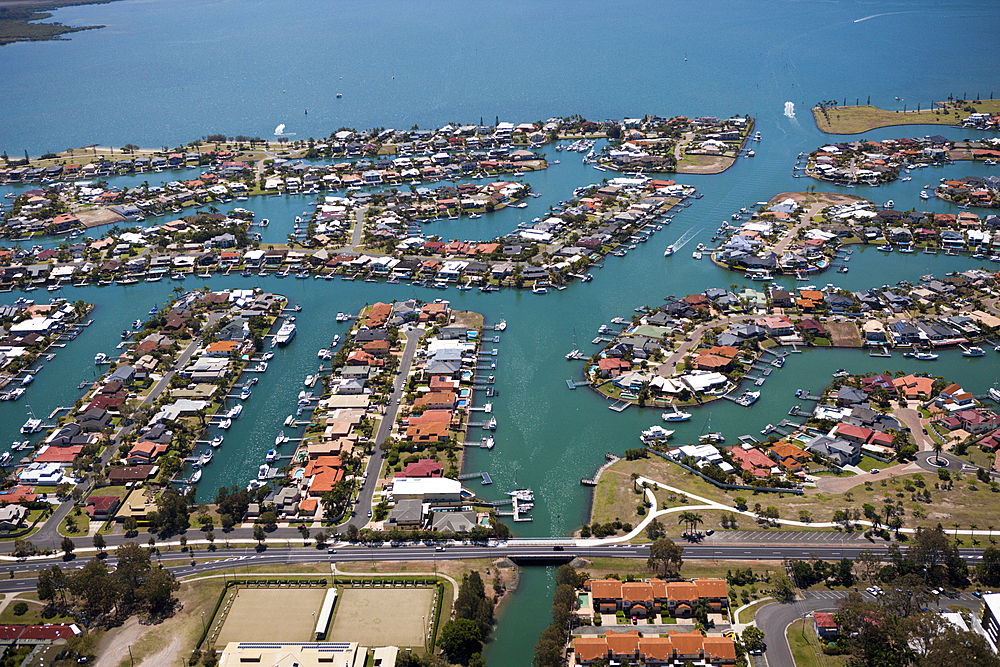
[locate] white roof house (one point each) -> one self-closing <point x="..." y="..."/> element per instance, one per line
<point x="426" y="489"/>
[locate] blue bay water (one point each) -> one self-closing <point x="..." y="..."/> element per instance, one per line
<point x="168" y="73"/>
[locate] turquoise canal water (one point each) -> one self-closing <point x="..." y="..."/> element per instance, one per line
<point x="168" y="73"/>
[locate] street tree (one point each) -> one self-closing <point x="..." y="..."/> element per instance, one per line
<point x="67" y="546"/>
<point x="666" y="554"/>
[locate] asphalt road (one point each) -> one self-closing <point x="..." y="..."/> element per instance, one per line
<point x="524" y="551"/>
<point x="363" y="506"/>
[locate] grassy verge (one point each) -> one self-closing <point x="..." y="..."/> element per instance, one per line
<point x="806" y="652"/>
<point x="748" y="614"/>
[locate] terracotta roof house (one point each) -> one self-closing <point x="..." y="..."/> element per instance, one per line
<point x="422" y="468"/>
<point x="914" y="386"/>
<point x="789" y="456"/>
<point x="102" y="507"/>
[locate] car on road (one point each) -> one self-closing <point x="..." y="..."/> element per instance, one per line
<point x="438" y="548"/>
<point x="874" y="471"/>
<point x="331" y="551"/>
<point x="557" y="547"/>
<point x="369" y="514"/>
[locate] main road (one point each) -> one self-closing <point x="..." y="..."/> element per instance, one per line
<point x="521" y="551"/>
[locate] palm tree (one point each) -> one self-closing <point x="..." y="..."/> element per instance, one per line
<point x="938" y="448"/>
<point x="695" y="519"/>
<point x="684" y="517"/>
<point x="990" y="526"/>
<point x="973" y="527"/>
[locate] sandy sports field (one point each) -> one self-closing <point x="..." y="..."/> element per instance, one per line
<point x="274" y="614"/>
<point x="381" y="616"/>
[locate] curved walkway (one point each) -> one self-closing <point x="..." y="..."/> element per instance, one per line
<point x="454" y="584"/>
<point x="707" y="504"/>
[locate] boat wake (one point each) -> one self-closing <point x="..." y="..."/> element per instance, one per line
<point x="875" y="16"/>
<point x="280" y="131"/>
<point x="790" y="110"/>
<point x="682" y="241"/>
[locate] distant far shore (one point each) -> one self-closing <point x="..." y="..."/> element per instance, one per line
<point x="836" y="119"/>
<point x="23" y="20"/>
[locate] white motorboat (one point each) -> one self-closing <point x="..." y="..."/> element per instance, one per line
<point x="655" y="435"/>
<point x="234" y="412"/>
<point x="676" y="416"/>
<point x="225" y="424"/>
<point x="217" y="440"/>
<point x="973" y="352"/>
<point x="272" y="455"/>
<point x="100" y="359"/>
<point x="285" y="333"/>
<point x="748" y="398"/>
<point x="263" y="472"/>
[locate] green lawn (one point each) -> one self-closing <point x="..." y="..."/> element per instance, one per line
<point x="867" y="463"/>
<point x="32" y="616"/>
<point x="804" y="643"/>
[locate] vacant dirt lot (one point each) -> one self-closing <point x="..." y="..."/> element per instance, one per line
<point x="704" y="164"/>
<point x="844" y="334"/>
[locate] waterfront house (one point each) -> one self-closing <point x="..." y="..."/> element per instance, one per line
<point x="840" y="451"/>
<point x="791" y="457"/>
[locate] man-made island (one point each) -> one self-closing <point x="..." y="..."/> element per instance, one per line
<point x="834" y="118"/>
